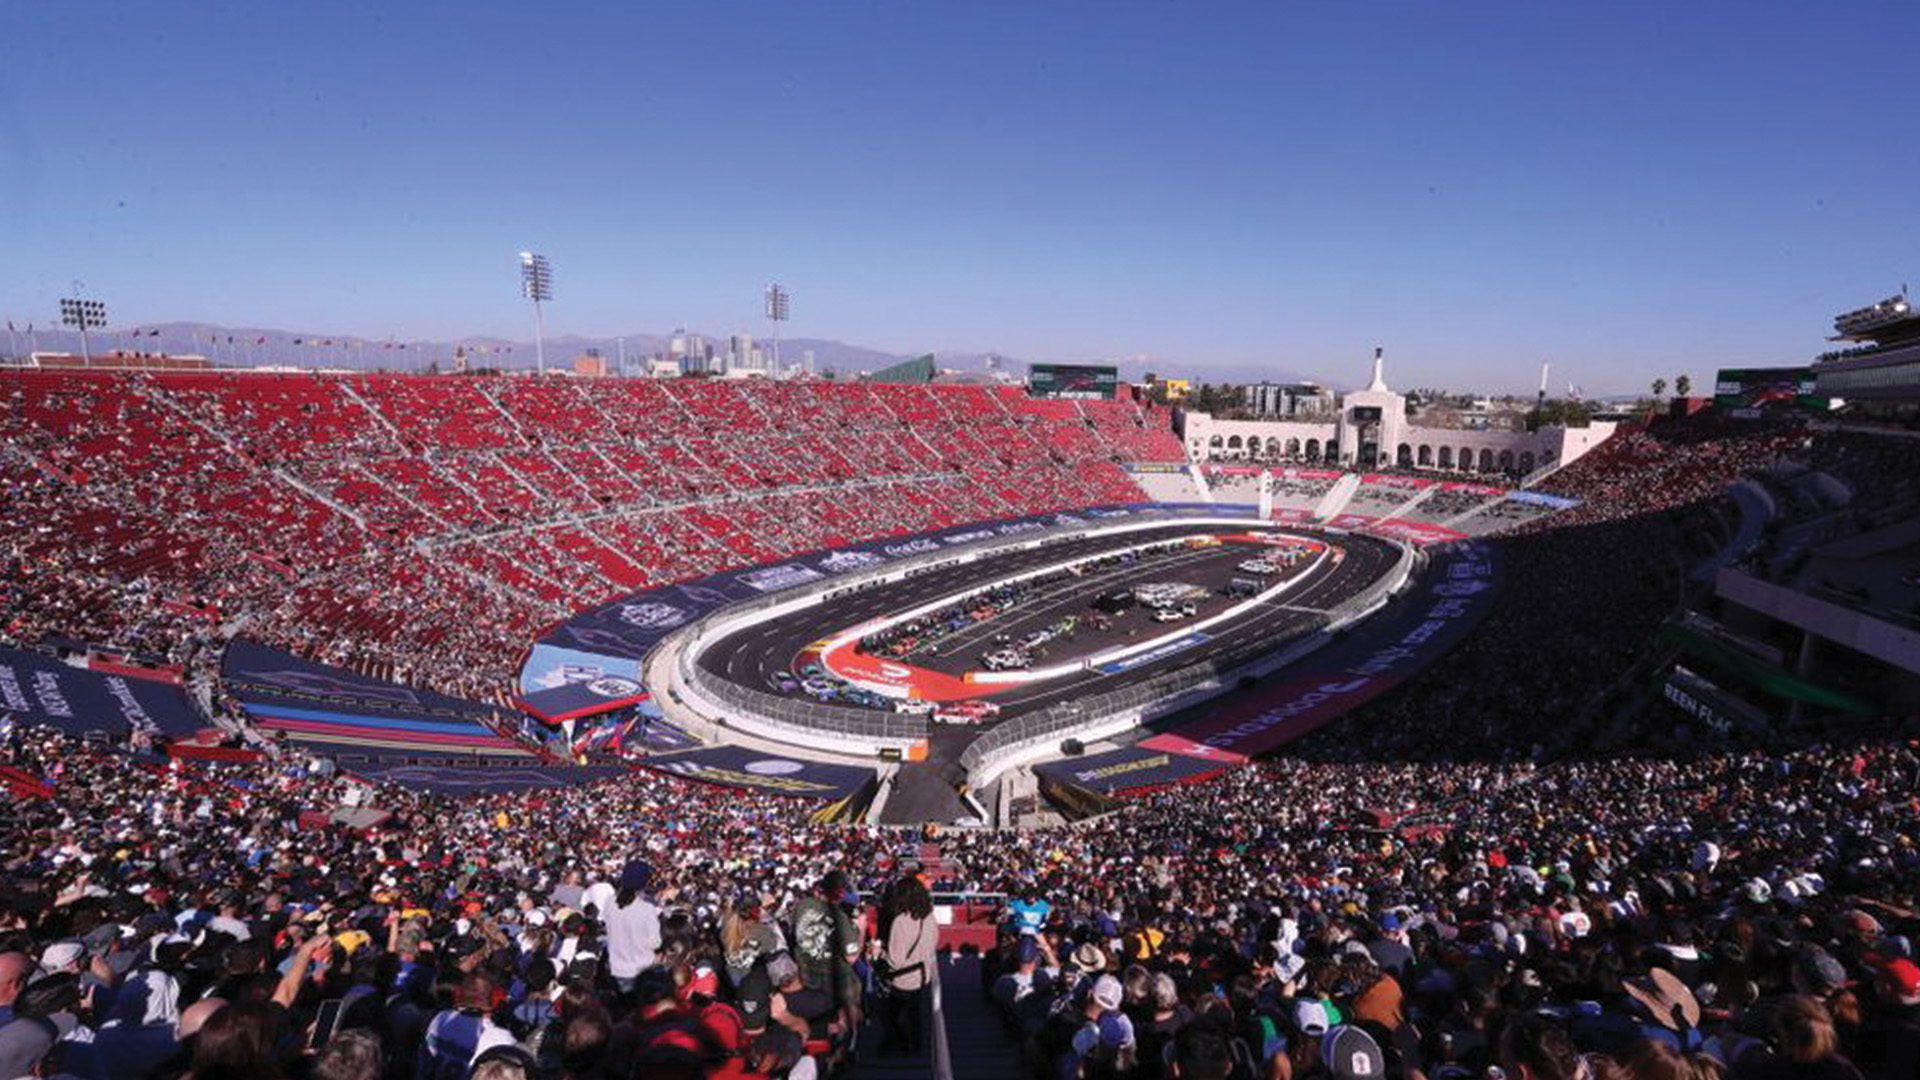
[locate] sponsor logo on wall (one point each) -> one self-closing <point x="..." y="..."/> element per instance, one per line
<point x="912" y="547"/>
<point x="612" y="686"/>
<point x="841" y="562"/>
<point x="652" y="615"/>
<point x="775" y="578"/>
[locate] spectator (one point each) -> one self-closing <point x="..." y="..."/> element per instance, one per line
<point x="910" y="934"/>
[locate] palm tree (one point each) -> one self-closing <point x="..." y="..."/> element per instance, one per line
<point x="1659" y="387"/>
<point x="1682" y="384"/>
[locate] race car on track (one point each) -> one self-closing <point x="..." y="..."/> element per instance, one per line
<point x="966" y="712"/>
<point x="1005" y="660"/>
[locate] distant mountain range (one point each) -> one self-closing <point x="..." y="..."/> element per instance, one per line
<point x="254" y="346"/>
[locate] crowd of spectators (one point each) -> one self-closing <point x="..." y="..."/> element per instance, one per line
<point x="1412" y="894"/>
<point x="1734" y="913"/>
<point x="1672" y="462"/>
<point x="1742" y="914"/>
<point x="424" y="528"/>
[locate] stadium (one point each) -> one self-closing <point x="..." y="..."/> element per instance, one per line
<point x="903" y="618"/>
<point x="372" y="556"/>
<point x="1069" y="541"/>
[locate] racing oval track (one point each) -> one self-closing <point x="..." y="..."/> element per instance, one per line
<point x="981" y="642"/>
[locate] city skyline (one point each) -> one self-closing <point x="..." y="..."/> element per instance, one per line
<point x="1627" y="195"/>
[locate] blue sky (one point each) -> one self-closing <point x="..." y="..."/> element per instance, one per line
<point x="1627" y="190"/>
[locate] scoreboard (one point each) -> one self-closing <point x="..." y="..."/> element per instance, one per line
<point x="1743" y="389"/>
<point x="1072" y="381"/>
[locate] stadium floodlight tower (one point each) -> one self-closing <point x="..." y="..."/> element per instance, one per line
<point x="83" y="315"/>
<point x="777" y="311"/>
<point x="536" y="284"/>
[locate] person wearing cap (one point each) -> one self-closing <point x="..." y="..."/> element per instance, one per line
<point x="633" y="927"/>
<point x="67" y="957"/>
<point x="1897" y="988"/>
<point x="1667" y="1009"/>
<point x="1098" y="1037"/>
<point x="1389" y="948"/>
<point x="797" y="1007"/>
<point x="1348" y="1052"/>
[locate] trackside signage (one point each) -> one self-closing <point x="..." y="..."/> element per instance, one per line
<point x="1384" y="652"/>
<point x="628" y="627"/>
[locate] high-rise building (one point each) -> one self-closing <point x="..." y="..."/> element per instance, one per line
<point x="1287" y="401"/>
<point x="742" y="354"/>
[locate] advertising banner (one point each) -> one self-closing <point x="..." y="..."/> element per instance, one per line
<point x="338" y="711"/>
<point x="1130" y="769"/>
<point x="1541" y="498"/>
<point x="549" y="667"/>
<point x="1381" y="654"/>
<point x="462" y="780"/>
<point x="36" y="688"/>
<point x="754" y="770"/>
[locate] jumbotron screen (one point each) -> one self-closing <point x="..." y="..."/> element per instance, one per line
<point x="1753" y="388"/>
<point x="1071" y="380"/>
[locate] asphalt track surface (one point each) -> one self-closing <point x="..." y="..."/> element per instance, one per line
<point x="751" y="656"/>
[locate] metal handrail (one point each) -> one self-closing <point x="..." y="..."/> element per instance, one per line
<point x="942" y="1051"/>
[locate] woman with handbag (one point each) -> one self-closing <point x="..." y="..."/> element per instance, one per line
<point x="907" y="964"/>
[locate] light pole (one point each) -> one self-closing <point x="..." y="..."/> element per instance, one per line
<point x="83" y="315"/>
<point x="536" y="284"/>
<point x="777" y="310"/>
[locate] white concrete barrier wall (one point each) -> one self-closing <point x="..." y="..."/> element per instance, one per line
<point x="693" y="641"/>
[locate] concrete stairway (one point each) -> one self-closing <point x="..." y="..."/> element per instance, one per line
<point x="981" y="1048"/>
<point x="1336" y="499"/>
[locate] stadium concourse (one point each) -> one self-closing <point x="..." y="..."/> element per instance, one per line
<point x="1514" y="860"/>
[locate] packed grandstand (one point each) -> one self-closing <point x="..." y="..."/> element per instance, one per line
<point x="278" y="810"/>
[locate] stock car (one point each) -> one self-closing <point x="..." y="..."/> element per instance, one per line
<point x="971" y="711"/>
<point x="913" y="707"/>
<point x="1005" y="660"/>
